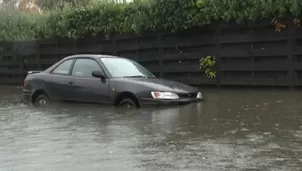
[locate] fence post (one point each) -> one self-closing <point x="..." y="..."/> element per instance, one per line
<point x="74" y="46"/>
<point x="20" y="59"/>
<point x="137" y="51"/>
<point x="217" y="54"/>
<point x="114" y="44"/>
<point x="290" y="57"/>
<point x="38" y="55"/>
<point x="57" y="48"/>
<point x="252" y="47"/>
<point x="160" y="54"/>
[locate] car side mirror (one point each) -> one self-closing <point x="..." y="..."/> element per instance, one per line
<point x="98" y="74"/>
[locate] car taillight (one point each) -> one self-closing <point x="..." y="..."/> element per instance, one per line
<point x="24" y="83"/>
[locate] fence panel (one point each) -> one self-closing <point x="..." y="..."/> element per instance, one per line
<point x="247" y="55"/>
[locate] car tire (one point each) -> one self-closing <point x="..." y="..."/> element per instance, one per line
<point x="127" y="103"/>
<point x="41" y="101"/>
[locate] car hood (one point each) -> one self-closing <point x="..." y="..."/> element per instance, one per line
<point x="163" y="85"/>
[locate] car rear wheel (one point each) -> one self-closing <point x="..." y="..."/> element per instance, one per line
<point x="127" y="103"/>
<point x="41" y="101"/>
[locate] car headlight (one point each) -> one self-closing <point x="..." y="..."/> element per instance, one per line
<point x="164" y="95"/>
<point x="199" y="95"/>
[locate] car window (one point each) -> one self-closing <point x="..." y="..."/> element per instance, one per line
<point x="121" y="67"/>
<point x="63" y="68"/>
<point x="84" y="67"/>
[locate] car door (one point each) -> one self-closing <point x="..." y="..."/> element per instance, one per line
<point x="59" y="82"/>
<point x="85" y="87"/>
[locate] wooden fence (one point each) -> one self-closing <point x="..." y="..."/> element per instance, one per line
<point x="247" y="55"/>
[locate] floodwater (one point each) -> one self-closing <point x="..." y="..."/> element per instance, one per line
<point x="230" y="130"/>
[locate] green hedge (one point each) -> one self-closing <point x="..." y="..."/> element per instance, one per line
<point x="139" y="16"/>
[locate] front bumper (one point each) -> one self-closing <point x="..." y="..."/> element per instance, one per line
<point x="181" y="100"/>
<point x="150" y="101"/>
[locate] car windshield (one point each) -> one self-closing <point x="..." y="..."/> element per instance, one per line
<point x="121" y="67"/>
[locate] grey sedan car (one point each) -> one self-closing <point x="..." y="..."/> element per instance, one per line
<point x="104" y="79"/>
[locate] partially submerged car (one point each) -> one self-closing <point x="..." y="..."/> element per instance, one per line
<point x="104" y="79"/>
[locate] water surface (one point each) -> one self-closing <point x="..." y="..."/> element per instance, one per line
<point x="231" y="130"/>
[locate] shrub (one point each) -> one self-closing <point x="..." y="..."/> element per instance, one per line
<point x="207" y="65"/>
<point x="17" y="26"/>
<point x="139" y="16"/>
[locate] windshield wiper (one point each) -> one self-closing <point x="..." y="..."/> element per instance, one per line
<point x="136" y="76"/>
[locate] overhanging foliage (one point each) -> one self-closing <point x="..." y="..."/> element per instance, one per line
<point x="139" y="16"/>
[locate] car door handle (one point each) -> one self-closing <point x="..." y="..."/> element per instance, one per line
<point x="70" y="82"/>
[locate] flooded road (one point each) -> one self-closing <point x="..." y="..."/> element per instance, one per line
<point x="231" y="130"/>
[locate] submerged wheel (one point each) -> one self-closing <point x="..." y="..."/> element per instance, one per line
<point x="127" y="103"/>
<point x="41" y="100"/>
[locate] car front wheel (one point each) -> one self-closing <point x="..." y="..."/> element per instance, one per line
<point x="127" y="103"/>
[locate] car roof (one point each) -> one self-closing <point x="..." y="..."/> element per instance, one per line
<point x="96" y="56"/>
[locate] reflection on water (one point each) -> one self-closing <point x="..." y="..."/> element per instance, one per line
<point x="231" y="130"/>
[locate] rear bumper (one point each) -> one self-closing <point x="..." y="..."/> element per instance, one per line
<point x="149" y="101"/>
<point x="26" y="94"/>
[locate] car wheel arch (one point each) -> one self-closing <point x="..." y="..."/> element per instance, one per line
<point x="124" y="95"/>
<point x="37" y="93"/>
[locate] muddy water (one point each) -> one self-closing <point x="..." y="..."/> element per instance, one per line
<point x="231" y="130"/>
